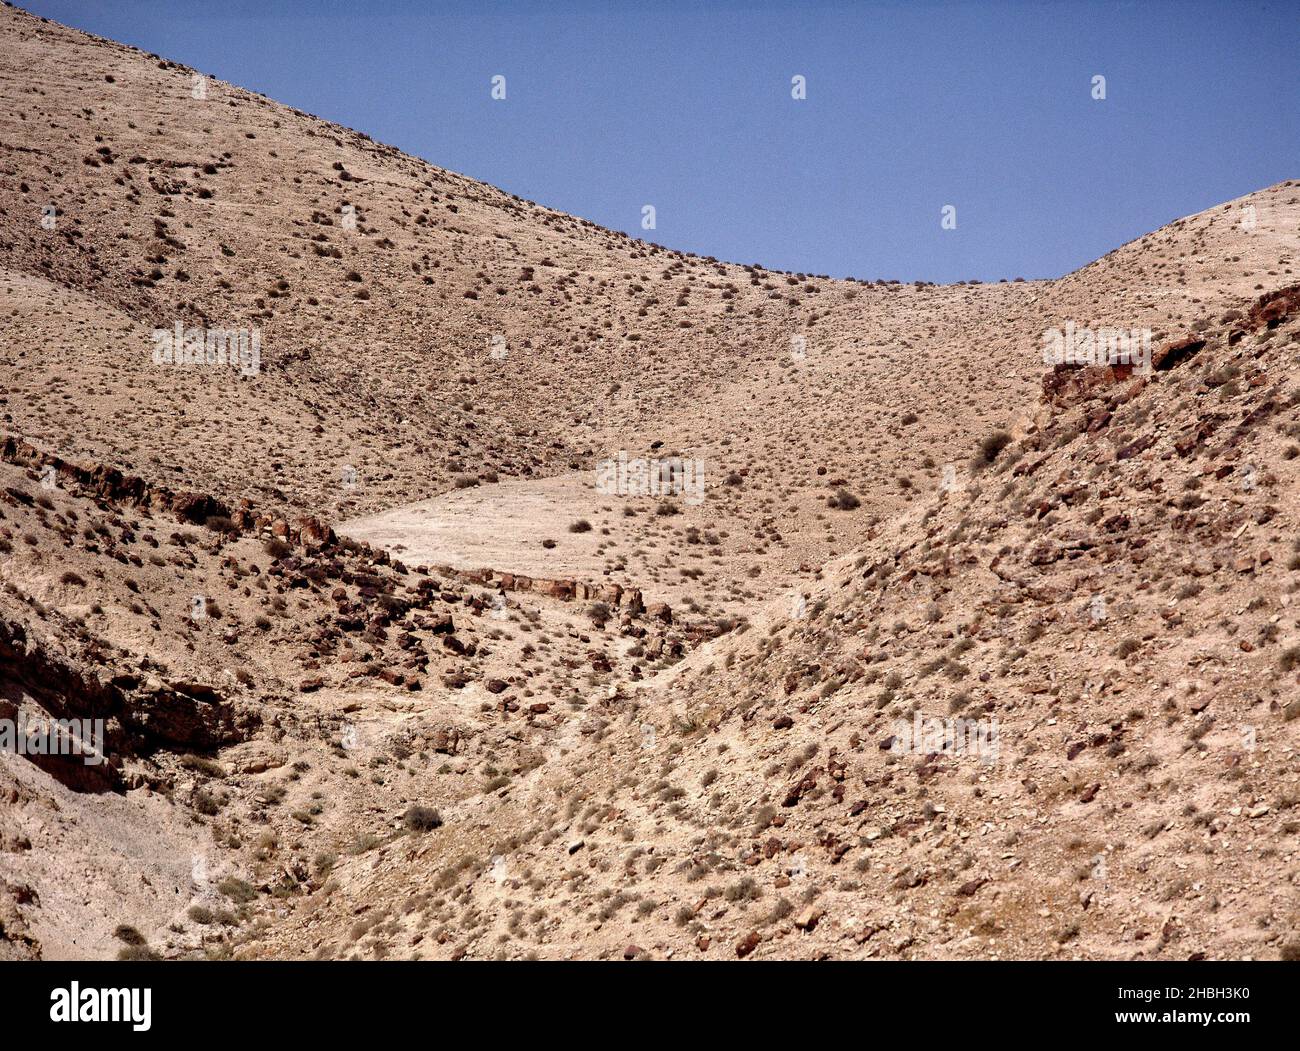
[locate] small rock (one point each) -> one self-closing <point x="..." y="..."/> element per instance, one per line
<point x="807" y="920"/>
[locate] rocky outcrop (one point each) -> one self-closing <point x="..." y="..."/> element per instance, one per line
<point x="1273" y="307"/>
<point x="1176" y="352"/>
<point x="614" y="595"/>
<point x="141" y="715"/>
<point x="109" y="484"/>
<point x="1068" y="385"/>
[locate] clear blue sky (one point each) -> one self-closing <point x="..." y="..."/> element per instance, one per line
<point x="686" y="106"/>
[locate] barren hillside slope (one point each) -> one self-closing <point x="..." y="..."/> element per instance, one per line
<point x="388" y="669"/>
<point x="1051" y="714"/>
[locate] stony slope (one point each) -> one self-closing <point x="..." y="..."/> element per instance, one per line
<point x="1115" y="589"/>
<point x="323" y="747"/>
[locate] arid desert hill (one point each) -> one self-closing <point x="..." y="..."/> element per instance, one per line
<point x="387" y="673"/>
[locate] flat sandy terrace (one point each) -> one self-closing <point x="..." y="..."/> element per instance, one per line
<point x="503" y="526"/>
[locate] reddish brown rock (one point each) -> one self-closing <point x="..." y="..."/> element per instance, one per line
<point x="660" y="611"/>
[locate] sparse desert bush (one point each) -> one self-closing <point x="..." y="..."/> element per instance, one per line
<point x="237" y="890"/>
<point x="989" y="448"/>
<point x="137" y="952"/>
<point x="743" y="890"/>
<point x="207" y="803"/>
<point x="783" y="908"/>
<point x="421" y="819"/>
<point x="128" y="934"/>
<point x="364" y="842"/>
